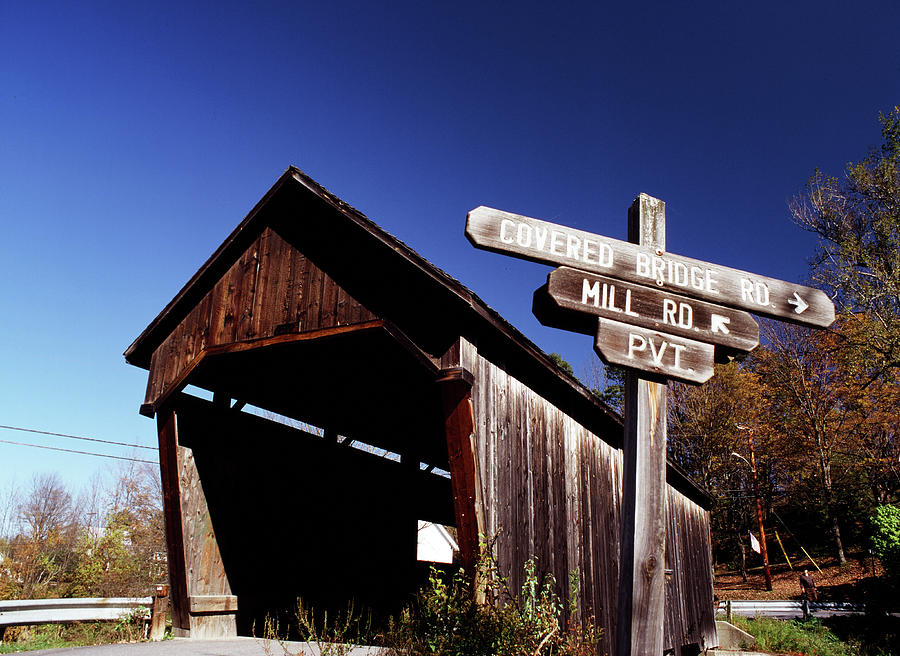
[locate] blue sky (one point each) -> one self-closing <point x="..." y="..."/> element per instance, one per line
<point x="135" y="136"/>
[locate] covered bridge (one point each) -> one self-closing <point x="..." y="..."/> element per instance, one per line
<point x="312" y="313"/>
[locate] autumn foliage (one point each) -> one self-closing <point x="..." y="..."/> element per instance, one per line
<point x="108" y="542"/>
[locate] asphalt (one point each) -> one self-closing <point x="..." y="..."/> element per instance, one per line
<point x="245" y="647"/>
<point x="230" y="647"/>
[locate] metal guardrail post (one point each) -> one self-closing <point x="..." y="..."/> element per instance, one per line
<point x="728" y="610"/>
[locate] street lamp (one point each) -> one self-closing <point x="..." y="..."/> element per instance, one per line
<point x="759" y="514"/>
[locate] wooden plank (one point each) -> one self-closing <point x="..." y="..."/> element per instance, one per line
<point x="640" y="624"/>
<point x="344" y="307"/>
<point x="550" y="243"/>
<point x="541" y="473"/>
<point x="168" y="463"/>
<point x="330" y="294"/>
<point x="263" y="297"/>
<point x="487" y="418"/>
<point x="607" y="613"/>
<point x="211" y="626"/>
<point x="459" y="425"/>
<point x="517" y="481"/>
<point x="211" y="603"/>
<point x="561" y="514"/>
<point x="274" y="303"/>
<point x="244" y="299"/>
<point x="578" y="296"/>
<point x="654" y="353"/>
<point x="300" y="268"/>
<point x="221" y="295"/>
<point x="587" y="512"/>
<point x="314" y="293"/>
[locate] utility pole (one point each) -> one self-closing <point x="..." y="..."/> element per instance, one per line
<point x="759" y="513"/>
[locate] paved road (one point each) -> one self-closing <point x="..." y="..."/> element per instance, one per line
<point x="184" y="647"/>
<point x="236" y="647"/>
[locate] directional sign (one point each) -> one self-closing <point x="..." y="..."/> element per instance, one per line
<point x="577" y="297"/>
<point x="649" y="351"/>
<point x="550" y="243"/>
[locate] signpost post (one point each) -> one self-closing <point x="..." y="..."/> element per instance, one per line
<point x="642" y="561"/>
<point x="660" y="316"/>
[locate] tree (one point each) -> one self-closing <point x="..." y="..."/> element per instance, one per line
<point x="703" y="421"/>
<point x="111" y="543"/>
<point x="562" y="363"/>
<point x="41" y="553"/>
<point x="815" y="397"/>
<point x="879" y="444"/>
<point x="125" y="558"/>
<point x="47" y="508"/>
<point x="704" y="436"/>
<point x="606" y="382"/>
<point x="857" y="220"/>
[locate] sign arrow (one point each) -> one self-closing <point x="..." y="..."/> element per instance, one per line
<point x="800" y="304"/>
<point x="550" y="243"/>
<point x="719" y="323"/>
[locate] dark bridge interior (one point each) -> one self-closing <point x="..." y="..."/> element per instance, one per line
<point x="320" y="514"/>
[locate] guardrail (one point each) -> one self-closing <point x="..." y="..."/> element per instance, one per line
<point x="788" y="609"/>
<point x="58" y="611"/>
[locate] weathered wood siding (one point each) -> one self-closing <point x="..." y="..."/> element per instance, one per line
<point x="550" y="489"/>
<point x="271" y="289"/>
<point x="689" y="589"/>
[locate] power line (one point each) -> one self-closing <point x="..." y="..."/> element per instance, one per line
<point x="84" y="453"/>
<point x="78" y="437"/>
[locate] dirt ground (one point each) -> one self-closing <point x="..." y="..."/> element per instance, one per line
<point x="850" y="582"/>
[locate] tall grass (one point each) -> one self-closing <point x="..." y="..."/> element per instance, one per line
<point x="839" y="636"/>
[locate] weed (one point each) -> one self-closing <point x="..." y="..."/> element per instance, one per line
<point x="337" y="636"/>
<point x="459" y="618"/>
<point x="133" y="625"/>
<point x="464" y="614"/>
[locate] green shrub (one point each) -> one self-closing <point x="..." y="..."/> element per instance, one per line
<point x="886" y="538"/>
<point x="459" y="618"/>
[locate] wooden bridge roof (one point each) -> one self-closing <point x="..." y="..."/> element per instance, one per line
<point x="342" y="238"/>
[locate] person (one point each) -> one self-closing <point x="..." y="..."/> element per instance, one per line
<point x="808" y="586"/>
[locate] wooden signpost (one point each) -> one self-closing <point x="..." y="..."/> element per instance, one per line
<point x="658" y="355"/>
<point x="576" y="295"/>
<point x="550" y="243"/>
<point x="660" y="316"/>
